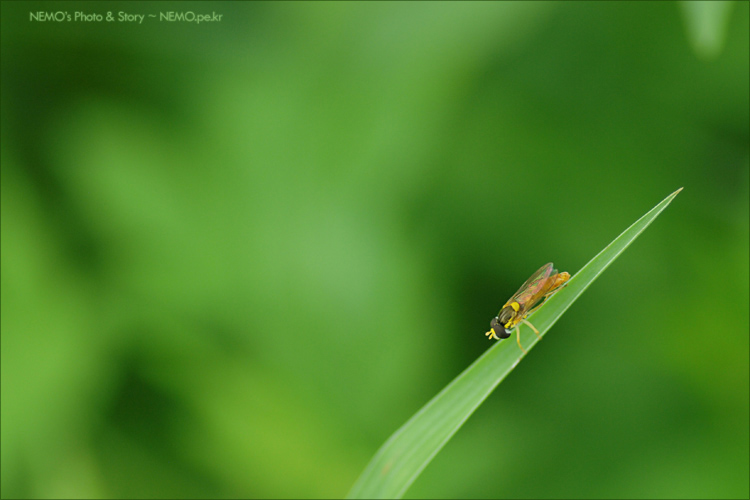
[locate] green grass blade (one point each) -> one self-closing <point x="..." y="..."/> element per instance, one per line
<point x="407" y="452"/>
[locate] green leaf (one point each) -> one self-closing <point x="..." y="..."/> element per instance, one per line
<point x="403" y="457"/>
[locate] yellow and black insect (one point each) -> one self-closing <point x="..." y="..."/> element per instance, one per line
<point x="539" y="287"/>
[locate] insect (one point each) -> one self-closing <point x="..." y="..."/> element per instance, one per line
<point x="542" y="284"/>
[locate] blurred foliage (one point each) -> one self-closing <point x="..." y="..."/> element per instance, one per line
<point x="706" y="25"/>
<point x="236" y="256"/>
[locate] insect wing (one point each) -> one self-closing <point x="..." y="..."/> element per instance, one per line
<point x="533" y="289"/>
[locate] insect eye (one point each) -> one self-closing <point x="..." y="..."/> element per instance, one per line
<point x="499" y="329"/>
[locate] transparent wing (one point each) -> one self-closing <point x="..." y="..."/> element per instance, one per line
<point x="535" y="287"/>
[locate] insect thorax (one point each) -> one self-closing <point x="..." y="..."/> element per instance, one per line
<point x="507" y="314"/>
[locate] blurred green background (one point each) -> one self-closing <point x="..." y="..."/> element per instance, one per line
<point x="238" y="255"/>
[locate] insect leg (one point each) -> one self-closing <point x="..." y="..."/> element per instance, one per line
<point x="532" y="327"/>
<point x="518" y="338"/>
